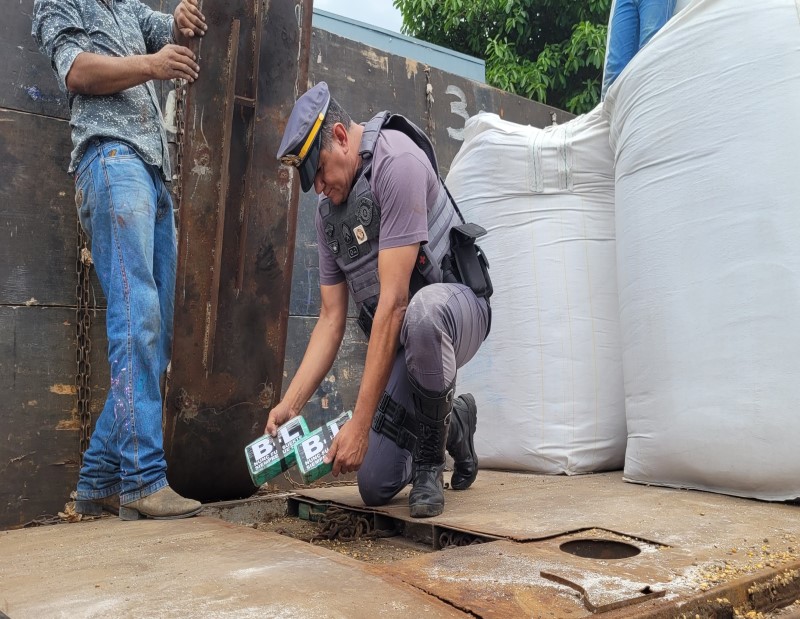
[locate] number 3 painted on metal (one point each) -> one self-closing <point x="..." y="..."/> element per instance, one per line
<point x="459" y="108"/>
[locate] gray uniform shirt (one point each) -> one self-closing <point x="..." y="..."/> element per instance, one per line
<point x="405" y="186"/>
<point x="65" y="28"/>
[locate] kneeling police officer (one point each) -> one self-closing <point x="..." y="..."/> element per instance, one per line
<point x="390" y="235"/>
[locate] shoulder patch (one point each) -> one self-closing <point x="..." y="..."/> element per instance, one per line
<point x="346" y="234"/>
<point x="361" y="234"/>
<point x="365" y="211"/>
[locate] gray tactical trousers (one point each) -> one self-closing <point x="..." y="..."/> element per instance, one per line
<point x="444" y="326"/>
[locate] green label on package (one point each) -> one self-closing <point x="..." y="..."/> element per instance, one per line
<point x="269" y="456"/>
<point x="311" y="450"/>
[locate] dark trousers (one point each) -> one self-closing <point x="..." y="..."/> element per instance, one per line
<point x="444" y="326"/>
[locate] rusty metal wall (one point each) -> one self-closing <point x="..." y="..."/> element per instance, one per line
<point x="366" y="81"/>
<point x="236" y="243"/>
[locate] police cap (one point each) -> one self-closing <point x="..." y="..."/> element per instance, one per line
<point x="302" y="138"/>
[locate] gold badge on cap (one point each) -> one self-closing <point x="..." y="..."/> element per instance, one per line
<point x="291" y="160"/>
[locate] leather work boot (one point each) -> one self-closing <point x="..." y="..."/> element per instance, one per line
<point x="432" y="417"/>
<point x="460" y="444"/>
<point x="165" y="504"/>
<point x="96" y="507"/>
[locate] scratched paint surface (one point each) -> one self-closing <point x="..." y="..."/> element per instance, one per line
<point x="38" y="417"/>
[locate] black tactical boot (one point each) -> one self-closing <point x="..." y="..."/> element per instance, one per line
<point x="432" y="417"/>
<point x="460" y="443"/>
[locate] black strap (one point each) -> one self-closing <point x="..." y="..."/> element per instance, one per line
<point x="365" y="317"/>
<point x="393" y="421"/>
<point x="452" y="201"/>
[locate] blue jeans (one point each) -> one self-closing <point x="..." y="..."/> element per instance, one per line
<point x="632" y="24"/>
<point x="126" y="210"/>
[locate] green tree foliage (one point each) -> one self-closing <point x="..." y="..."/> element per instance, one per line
<point x="548" y="50"/>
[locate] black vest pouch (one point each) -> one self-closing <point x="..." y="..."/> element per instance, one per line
<point x="468" y="260"/>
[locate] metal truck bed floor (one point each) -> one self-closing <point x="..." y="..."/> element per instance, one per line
<point x="199" y="567"/>
<point x="689" y="548"/>
<point x="551" y="547"/>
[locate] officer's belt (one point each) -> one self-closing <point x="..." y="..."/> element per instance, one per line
<point x="393" y="421"/>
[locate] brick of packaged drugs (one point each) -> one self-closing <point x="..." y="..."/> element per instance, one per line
<point x="310" y="451"/>
<point x="268" y="456"/>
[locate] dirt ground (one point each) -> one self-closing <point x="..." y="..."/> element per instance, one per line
<point x="792" y="611"/>
<point x="369" y="550"/>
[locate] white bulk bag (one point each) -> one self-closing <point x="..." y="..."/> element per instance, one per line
<point x="705" y="125"/>
<point x="548" y="380"/>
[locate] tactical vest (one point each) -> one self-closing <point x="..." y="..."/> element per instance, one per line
<point x="352" y="230"/>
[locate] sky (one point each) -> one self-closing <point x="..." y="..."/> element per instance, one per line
<point x="379" y="13"/>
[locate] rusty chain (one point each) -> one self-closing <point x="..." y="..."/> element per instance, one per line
<point x="181" y="88"/>
<point x="429" y="103"/>
<point x="44" y="520"/>
<point x="346" y="526"/>
<point x="451" y="539"/>
<point x="83" y="349"/>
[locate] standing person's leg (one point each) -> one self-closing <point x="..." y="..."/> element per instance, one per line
<point x="386" y="469"/>
<point x="123" y="222"/>
<point x="445" y="325"/>
<point x="165" y="258"/>
<point x="99" y="482"/>
<point x="653" y="14"/>
<point x="623" y="40"/>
